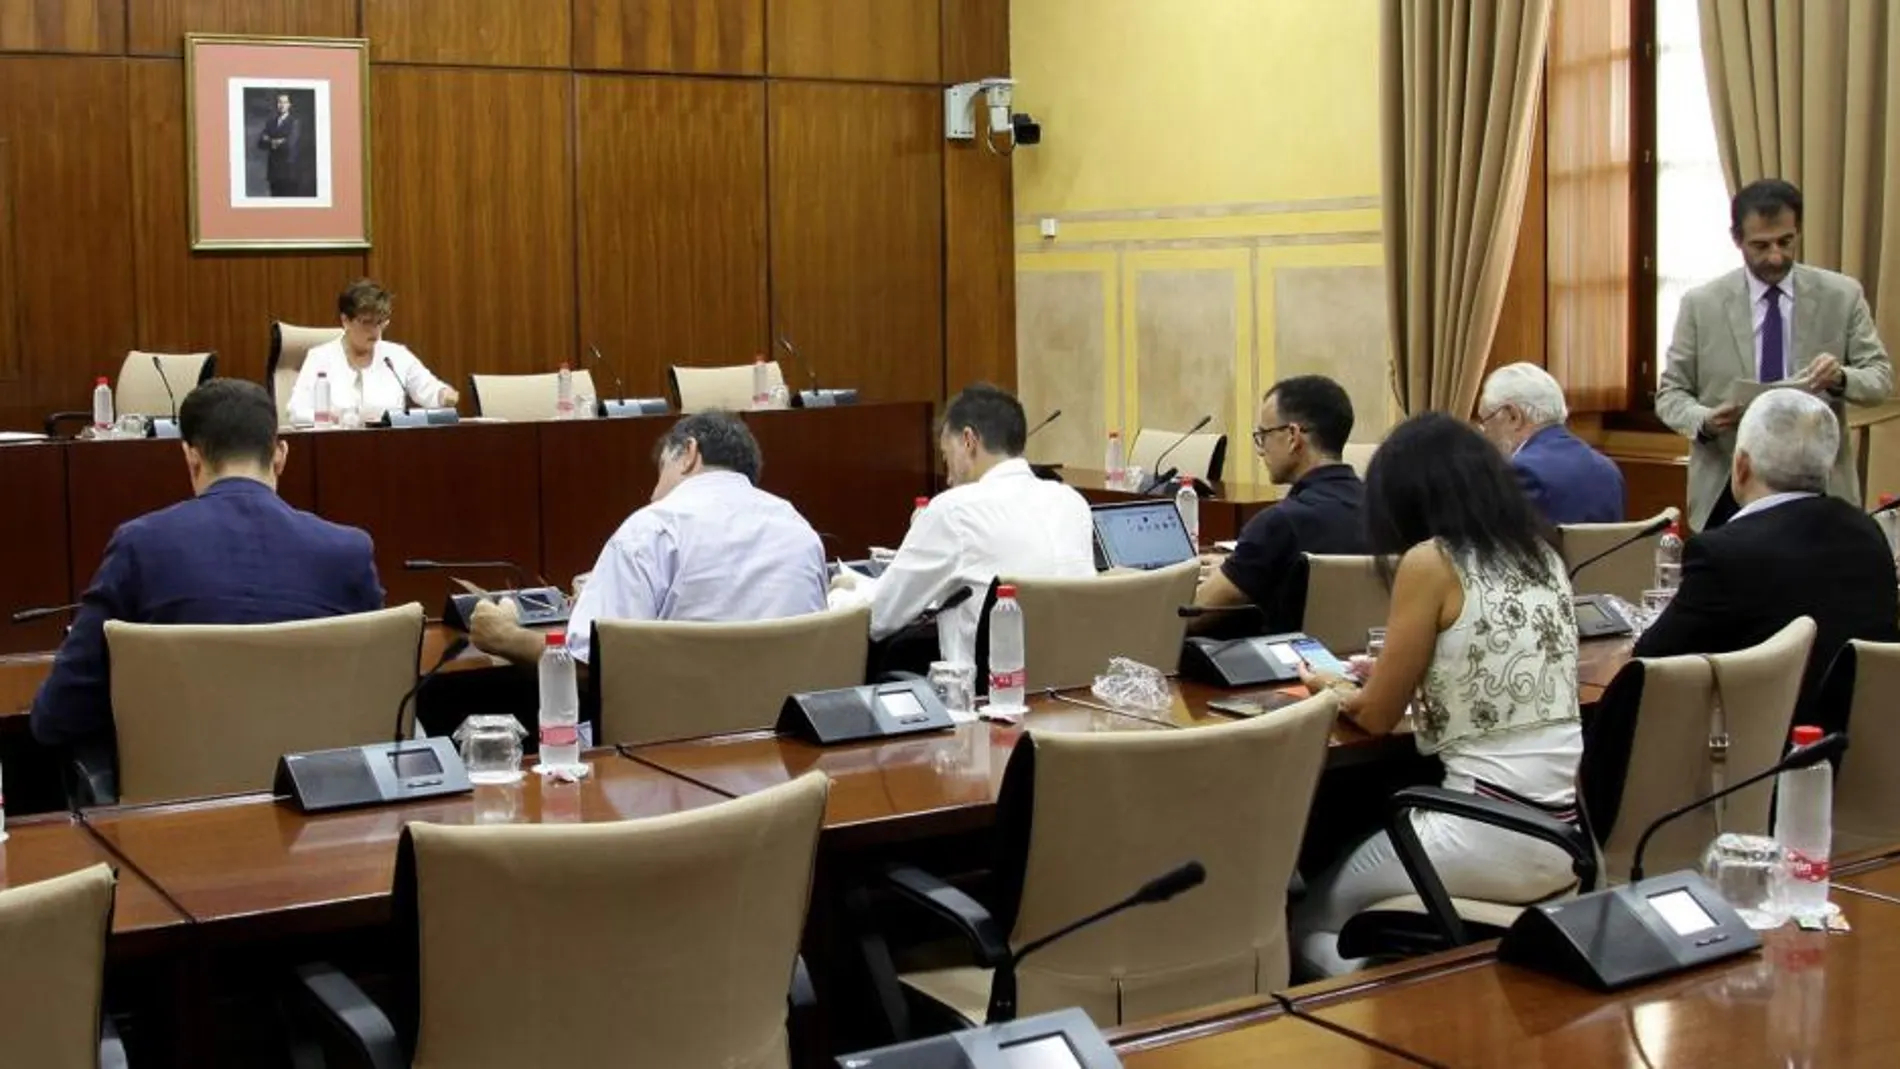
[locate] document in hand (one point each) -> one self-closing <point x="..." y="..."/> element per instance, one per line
<point x="1744" y="391"/>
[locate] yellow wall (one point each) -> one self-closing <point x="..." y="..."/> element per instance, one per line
<point x="1213" y="169"/>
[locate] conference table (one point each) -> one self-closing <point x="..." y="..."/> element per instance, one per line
<point x="544" y="496"/>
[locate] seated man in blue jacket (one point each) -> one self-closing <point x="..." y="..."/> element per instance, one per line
<point x="1522" y="412"/>
<point x="233" y="554"/>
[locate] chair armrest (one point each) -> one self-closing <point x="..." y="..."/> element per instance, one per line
<point x="352" y="1016"/>
<point x="55" y="419"/>
<point x="111" y="1047"/>
<point x="964" y="913"/>
<point x="1506" y="815"/>
<point x="92" y="777"/>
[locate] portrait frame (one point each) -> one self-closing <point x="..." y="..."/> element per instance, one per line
<point x="277" y="142"/>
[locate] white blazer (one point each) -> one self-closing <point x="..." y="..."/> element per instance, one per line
<point x="374" y="390"/>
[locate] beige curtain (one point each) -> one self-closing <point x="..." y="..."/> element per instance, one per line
<point x="1810" y="92"/>
<point x="1461" y="80"/>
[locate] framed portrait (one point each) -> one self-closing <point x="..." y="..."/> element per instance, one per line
<point x="277" y="132"/>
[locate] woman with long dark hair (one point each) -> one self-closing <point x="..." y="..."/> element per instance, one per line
<point x="1482" y="642"/>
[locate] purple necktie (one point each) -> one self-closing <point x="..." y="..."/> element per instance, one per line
<point x="1772" y="362"/>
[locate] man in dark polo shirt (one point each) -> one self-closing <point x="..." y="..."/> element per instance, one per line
<point x="1304" y="423"/>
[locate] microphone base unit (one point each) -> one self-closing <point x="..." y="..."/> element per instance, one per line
<point x="1256" y="661"/>
<point x="1064" y="1038"/>
<point x="850" y="714"/>
<point x="386" y="772"/>
<point x="633" y="407"/>
<point x="1612" y="939"/>
<point x="420" y="417"/>
<point x="164" y="427"/>
<point x="541" y="606"/>
<point x="1597" y="617"/>
<point x="830" y="398"/>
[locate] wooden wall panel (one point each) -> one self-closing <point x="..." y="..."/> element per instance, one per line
<point x="1523" y="322"/>
<point x="488" y="33"/>
<point x="980" y="268"/>
<point x="473" y="180"/>
<point x="158" y="27"/>
<point x="9" y="253"/>
<point x="62" y="25"/>
<point x="685" y="36"/>
<point x="672" y="224"/>
<point x="857" y="229"/>
<point x="193" y="302"/>
<point x="63" y="120"/>
<point x="975" y="40"/>
<point x="869" y="40"/>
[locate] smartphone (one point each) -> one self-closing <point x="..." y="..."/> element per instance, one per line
<point x="1253" y="704"/>
<point x="1315" y="653"/>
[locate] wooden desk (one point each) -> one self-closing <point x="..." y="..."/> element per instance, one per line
<point x="39" y="848"/>
<point x="1222" y="516"/>
<point x="1280" y="1041"/>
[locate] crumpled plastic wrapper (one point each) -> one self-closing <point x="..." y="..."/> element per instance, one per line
<point x="1130" y="684"/>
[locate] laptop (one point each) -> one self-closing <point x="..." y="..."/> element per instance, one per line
<point x="1140" y="534"/>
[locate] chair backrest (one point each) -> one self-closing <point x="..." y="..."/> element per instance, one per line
<point x="53" y="969"/>
<point x="1628" y="571"/>
<point x="1867" y="795"/>
<point x="701" y="389"/>
<point x="204" y="709"/>
<point x="289" y="344"/>
<point x="1359" y="455"/>
<point x="1105" y="813"/>
<point x="1073" y="626"/>
<point x="692" y="925"/>
<point x="666" y="679"/>
<point x="1200" y="455"/>
<point x="525" y="398"/>
<point x="1344" y="600"/>
<point x="140" y="390"/>
<point x="1668" y="756"/>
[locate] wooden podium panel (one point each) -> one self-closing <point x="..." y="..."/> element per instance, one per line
<point x="33" y="543"/>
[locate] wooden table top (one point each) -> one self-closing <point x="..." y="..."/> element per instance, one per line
<point x="1881" y="880"/>
<point x="255" y="859"/>
<point x="1281" y="1041"/>
<point x="39" y="848"/>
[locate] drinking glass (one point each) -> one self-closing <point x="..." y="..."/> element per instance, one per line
<point x="955" y="684"/>
<point x="491" y="748"/>
<point x="1654" y="602"/>
<point x="130" y="425"/>
<point x="1747" y="870"/>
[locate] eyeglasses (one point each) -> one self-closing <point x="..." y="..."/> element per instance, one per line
<point x="368" y="322"/>
<point x="1260" y="433"/>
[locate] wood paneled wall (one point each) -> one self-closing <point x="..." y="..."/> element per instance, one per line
<point x="673" y="181"/>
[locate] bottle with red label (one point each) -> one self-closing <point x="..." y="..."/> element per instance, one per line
<point x="1804" y="826"/>
<point x="1008" y="677"/>
<point x="560" y="707"/>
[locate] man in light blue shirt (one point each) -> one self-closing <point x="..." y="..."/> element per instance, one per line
<point x="711" y="547"/>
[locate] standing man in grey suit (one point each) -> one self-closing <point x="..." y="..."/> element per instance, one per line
<point x="1773" y="321"/>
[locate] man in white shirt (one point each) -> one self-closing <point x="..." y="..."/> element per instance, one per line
<point x="711" y="546"/>
<point x="365" y="372"/>
<point x="997" y="518"/>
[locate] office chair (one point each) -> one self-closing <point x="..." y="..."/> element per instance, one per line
<point x="52" y="972"/>
<point x="701" y="389"/>
<point x="525" y="398"/>
<point x="289" y="344"/>
<point x="140" y="391"/>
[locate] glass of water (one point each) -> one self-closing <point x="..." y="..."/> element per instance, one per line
<point x="1748" y="870"/>
<point x="491" y="748"/>
<point x="955" y="684"/>
<point x="1654" y="602"/>
<point x="130" y="425"/>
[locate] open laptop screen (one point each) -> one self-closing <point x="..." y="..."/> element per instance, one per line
<point x="1141" y="534"/>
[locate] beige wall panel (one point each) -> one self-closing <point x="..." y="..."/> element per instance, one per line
<point x="1186" y="333"/>
<point x="1059" y="337"/>
<point x="1331" y="321"/>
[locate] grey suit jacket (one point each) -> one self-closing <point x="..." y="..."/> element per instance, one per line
<point x="1714" y="346"/>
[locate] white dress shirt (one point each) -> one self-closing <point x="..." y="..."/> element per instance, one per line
<point x="1006" y="523"/>
<point x="373" y="390"/>
<point x="717" y="548"/>
<point x="1758" y="304"/>
<point x="1763" y="504"/>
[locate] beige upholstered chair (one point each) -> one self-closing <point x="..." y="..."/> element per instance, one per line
<point x="1359" y="455"/>
<point x="1862" y="683"/>
<point x="1075" y="625"/>
<point x="205" y="710"/>
<point x="53" y="970"/>
<point x="1344" y="600"/>
<point x="701" y="389"/>
<point x="289" y="345"/>
<point x="670" y="680"/>
<point x="1087" y="818"/>
<point x="1628" y="571"/>
<point x="140" y="389"/>
<point x="1200" y="455"/>
<point x="680" y="933"/>
<point x="525" y="398"/>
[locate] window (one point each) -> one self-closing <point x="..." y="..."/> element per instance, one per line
<point x="1691" y="225"/>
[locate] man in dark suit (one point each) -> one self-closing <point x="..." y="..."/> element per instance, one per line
<point x="233" y="554"/>
<point x="1790" y="550"/>
<point x="1522" y="412"/>
<point x="282" y="141"/>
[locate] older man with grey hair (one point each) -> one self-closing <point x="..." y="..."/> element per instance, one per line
<point x="1790" y="550"/>
<point x="711" y="546"/>
<point x="1522" y="411"/>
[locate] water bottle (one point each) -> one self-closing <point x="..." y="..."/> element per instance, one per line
<point x="564" y="393"/>
<point x="326" y="415"/>
<point x="1189" y="504"/>
<point x="1804" y="826"/>
<point x="918" y="510"/>
<point x="1669" y="559"/>
<point x="102" y="416"/>
<point x="1115" y="463"/>
<point x="1007" y="675"/>
<point x="781" y="397"/>
<point x="560" y="705"/>
<point x="761" y="383"/>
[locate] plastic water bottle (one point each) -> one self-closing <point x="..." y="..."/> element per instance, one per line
<point x="1189" y="504"/>
<point x="1115" y="463"/>
<point x="560" y="705"/>
<point x="1804" y="826"/>
<point x="1669" y="559"/>
<point x="564" y="393"/>
<point x="320" y="397"/>
<point x="102" y="415"/>
<point x="918" y="510"/>
<point x="1007" y="675"/>
<point x="761" y="383"/>
<point x="781" y="397"/>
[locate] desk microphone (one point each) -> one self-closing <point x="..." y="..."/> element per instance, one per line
<point x="620" y="389"/>
<point x="1822" y="749"/>
<point x="1649" y="529"/>
<point x="811" y="370"/>
<point x="1161" y="476"/>
<point x="1160" y="889"/>
<point x="27" y="616"/>
<point x="159" y="366"/>
<point x="400" y="385"/>
<point x="453" y="650"/>
<point x="1046" y="420"/>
